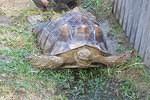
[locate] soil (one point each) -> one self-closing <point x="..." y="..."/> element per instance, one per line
<point x="11" y="7"/>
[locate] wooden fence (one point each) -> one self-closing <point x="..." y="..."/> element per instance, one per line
<point x="134" y="16"/>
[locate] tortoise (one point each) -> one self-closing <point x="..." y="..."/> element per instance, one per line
<point x="57" y="5"/>
<point x="73" y="40"/>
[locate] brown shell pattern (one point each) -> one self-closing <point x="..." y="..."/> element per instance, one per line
<point x="70" y="31"/>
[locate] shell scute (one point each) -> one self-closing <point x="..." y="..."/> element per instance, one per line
<point x="72" y="30"/>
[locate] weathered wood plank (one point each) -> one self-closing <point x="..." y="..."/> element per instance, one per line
<point x="130" y="17"/>
<point x="118" y="8"/>
<point x="147" y="42"/>
<point x="147" y="50"/>
<point x="129" y="5"/>
<point x="114" y="6"/>
<point x="146" y="27"/>
<point x="122" y="11"/>
<point x="147" y="57"/>
<point x="134" y="16"/>
<point x="136" y="13"/>
<point x="125" y="14"/>
<point x="140" y="26"/>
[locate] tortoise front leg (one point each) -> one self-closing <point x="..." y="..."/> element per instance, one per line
<point x="52" y="62"/>
<point x="112" y="60"/>
<point x="80" y="58"/>
<point x="44" y="61"/>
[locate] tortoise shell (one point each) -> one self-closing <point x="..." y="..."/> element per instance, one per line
<point x="72" y="30"/>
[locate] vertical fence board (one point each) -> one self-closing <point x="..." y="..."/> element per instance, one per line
<point x="140" y="26"/>
<point x="130" y="17"/>
<point x="114" y="6"/>
<point x="145" y="31"/>
<point x="137" y="11"/>
<point x="147" y="51"/>
<point x="147" y="57"/>
<point x="125" y="14"/>
<point x="147" y="42"/>
<point x="118" y="8"/>
<point x="122" y="11"/>
<point x="134" y="16"/>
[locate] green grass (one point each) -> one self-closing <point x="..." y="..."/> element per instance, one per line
<point x="101" y="8"/>
<point x="18" y="79"/>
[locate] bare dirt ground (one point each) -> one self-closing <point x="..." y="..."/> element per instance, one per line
<point x="11" y="7"/>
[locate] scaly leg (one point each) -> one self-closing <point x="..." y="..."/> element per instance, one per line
<point x="52" y="62"/>
<point x="81" y="58"/>
<point x="44" y="61"/>
<point x="112" y="60"/>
